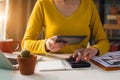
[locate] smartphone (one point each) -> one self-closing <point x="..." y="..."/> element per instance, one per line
<point x="70" y="39"/>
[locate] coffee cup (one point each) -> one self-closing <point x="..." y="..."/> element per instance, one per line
<point x="9" y="45"/>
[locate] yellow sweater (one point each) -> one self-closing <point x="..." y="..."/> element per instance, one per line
<point x="84" y="21"/>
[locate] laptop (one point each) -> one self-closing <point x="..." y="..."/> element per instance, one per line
<point x="8" y="63"/>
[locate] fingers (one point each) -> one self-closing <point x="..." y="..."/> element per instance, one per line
<point x="79" y="57"/>
<point x="75" y="54"/>
<point x="54" y="46"/>
<point x="84" y="54"/>
<point x="78" y="54"/>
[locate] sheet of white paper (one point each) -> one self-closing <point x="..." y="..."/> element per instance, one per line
<point x="51" y="65"/>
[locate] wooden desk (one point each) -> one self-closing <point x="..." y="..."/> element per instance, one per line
<point x="94" y="73"/>
<point x="111" y="27"/>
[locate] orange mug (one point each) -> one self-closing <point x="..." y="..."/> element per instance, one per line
<point x="9" y="45"/>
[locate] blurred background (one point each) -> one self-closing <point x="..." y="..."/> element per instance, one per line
<point x="13" y="18"/>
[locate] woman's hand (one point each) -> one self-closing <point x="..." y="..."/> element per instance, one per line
<point x="85" y="54"/>
<point x="53" y="46"/>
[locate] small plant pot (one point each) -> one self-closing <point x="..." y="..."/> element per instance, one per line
<point x="27" y="64"/>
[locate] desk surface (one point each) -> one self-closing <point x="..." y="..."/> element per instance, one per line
<point x="94" y="73"/>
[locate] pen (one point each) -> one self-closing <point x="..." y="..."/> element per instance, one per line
<point x="78" y="53"/>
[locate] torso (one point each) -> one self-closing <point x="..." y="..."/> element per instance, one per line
<point x="67" y="7"/>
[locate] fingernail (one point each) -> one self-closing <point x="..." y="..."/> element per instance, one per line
<point x="85" y="58"/>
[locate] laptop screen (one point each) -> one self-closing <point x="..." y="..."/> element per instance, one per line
<point x="13" y="61"/>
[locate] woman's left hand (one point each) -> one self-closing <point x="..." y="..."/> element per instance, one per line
<point x="84" y="54"/>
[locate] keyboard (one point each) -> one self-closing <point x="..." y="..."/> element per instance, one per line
<point x="80" y="64"/>
<point x="13" y="61"/>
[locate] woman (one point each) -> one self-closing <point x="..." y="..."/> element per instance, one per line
<point x="65" y="17"/>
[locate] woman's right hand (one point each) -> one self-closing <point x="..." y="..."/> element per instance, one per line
<point x="52" y="45"/>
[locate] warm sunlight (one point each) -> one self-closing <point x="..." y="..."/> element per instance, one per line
<point x="3" y="18"/>
<point x="6" y="17"/>
<point x="1" y="26"/>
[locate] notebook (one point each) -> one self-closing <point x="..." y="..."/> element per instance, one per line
<point x="8" y="63"/>
<point x="58" y="65"/>
<point x="108" y="61"/>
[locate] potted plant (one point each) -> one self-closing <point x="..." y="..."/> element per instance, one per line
<point x="27" y="62"/>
